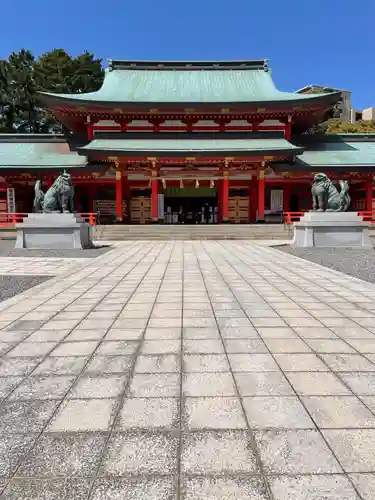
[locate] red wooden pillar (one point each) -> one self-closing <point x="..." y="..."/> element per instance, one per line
<point x="90" y="128"/>
<point x="250" y="211"/>
<point x="225" y="199"/>
<point x="154" y="200"/>
<point x="288" y="128"/>
<point x="261" y="189"/>
<point x="119" y="196"/>
<point x="253" y="203"/>
<point x="219" y="201"/>
<point x="126" y="195"/>
<point x="368" y="199"/>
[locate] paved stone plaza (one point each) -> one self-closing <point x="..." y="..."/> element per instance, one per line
<point x="37" y="266"/>
<point x="191" y="371"/>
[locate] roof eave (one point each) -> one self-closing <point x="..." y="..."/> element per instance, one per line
<point x="188" y="153"/>
<point x="349" y="165"/>
<point x="30" y="137"/>
<point x="306" y="166"/>
<point x="58" y="100"/>
<point x="42" y="167"/>
<point x="79" y="169"/>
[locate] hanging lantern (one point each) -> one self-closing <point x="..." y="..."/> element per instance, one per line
<point x="212" y="183"/>
<point x="181" y="184"/>
<point x="197" y="183"/>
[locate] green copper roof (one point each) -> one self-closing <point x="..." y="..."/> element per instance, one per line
<point x="196" y="147"/>
<point x="38" y="155"/>
<point x="189" y="83"/>
<point x="337" y="153"/>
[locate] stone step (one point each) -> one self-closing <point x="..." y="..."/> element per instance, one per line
<point x="223" y="228"/>
<point x="188" y="238"/>
<point x="192" y="232"/>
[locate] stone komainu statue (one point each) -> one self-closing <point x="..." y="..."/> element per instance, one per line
<point x="58" y="198"/>
<point x="326" y="197"/>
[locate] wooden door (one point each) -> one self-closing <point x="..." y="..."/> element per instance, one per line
<point x="238" y="212"/>
<point x="140" y="212"/>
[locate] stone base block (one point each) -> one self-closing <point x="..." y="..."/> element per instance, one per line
<point x="331" y="229"/>
<point x="53" y="232"/>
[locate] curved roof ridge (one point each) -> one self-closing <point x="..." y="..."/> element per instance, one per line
<point x="117" y="64"/>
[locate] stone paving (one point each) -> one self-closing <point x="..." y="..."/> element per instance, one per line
<point x="37" y="266"/>
<point x="189" y="370"/>
<point x="44" y="266"/>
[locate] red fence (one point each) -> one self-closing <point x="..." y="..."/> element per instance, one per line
<point x="11" y="219"/>
<point x="91" y="218"/>
<point x="290" y="217"/>
<point x="368" y="216"/>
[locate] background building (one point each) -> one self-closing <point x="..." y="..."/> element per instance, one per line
<point x="343" y="106"/>
<point x="368" y="114"/>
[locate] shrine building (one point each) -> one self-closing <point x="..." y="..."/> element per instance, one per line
<point x="187" y="142"/>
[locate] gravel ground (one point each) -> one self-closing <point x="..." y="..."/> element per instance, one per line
<point x="13" y="285"/>
<point x="7" y="250"/>
<point x="355" y="262"/>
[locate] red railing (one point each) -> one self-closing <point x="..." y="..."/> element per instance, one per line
<point x="11" y="219"/>
<point x="368" y="216"/>
<point x="290" y="217"/>
<point x="91" y="218"/>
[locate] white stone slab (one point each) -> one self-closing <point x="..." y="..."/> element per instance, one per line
<point x="331" y="229"/>
<point x="54" y="232"/>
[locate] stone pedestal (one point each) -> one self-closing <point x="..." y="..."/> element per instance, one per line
<point x="331" y="229"/>
<point x="54" y="232"/>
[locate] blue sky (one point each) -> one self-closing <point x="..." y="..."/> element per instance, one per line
<point x="327" y="42"/>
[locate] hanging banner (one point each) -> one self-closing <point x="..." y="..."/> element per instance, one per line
<point x="11" y="200"/>
<point x="190" y="192"/>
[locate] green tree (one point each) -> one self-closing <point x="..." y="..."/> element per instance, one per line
<point x="53" y="71"/>
<point x="86" y="73"/>
<point x="17" y="93"/>
<point x="6" y="111"/>
<point x="22" y="89"/>
<point x="53" y="74"/>
<point x="58" y="72"/>
<point x="22" y="76"/>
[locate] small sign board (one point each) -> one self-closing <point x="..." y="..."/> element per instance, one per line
<point x="276" y="200"/>
<point x="11" y="200"/>
<point x="161" y="206"/>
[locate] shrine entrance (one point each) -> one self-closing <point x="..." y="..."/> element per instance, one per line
<point x="190" y="205"/>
